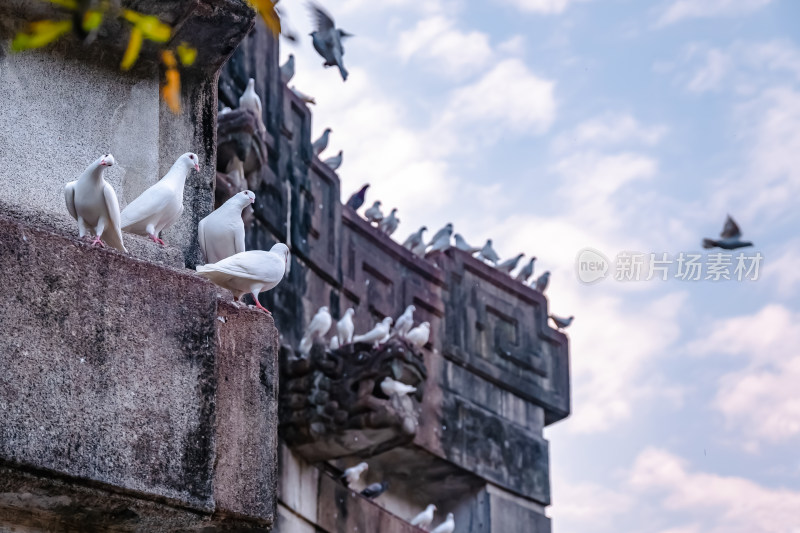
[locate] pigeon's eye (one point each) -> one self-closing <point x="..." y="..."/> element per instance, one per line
<point x="191" y="157"/>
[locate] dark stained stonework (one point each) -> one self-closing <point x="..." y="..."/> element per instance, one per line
<point x="332" y="405"/>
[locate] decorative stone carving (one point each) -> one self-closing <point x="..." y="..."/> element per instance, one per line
<point x="331" y="403"/>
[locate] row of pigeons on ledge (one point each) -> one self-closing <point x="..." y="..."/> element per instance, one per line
<point x="423" y="520"/>
<point x="93" y="203"/>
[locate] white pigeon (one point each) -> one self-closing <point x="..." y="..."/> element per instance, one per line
<point x="525" y="272"/>
<point x="320" y="144"/>
<point x="334" y="343"/>
<point x="374" y="213"/>
<point x="91" y="201"/>
<point x="250" y="100"/>
<point x="221" y="234"/>
<point x="487" y="253"/>
<point x="419" y="249"/>
<point x="415" y="239"/>
<point x="345" y="327"/>
<point x="249" y="272"/>
<point x="376" y="334"/>
<point x="461" y="244"/>
<point x="317" y="328"/>
<point x="420" y="335"/>
<point x="446" y="231"/>
<point x="541" y="282"/>
<point x="442" y="242"/>
<point x="391" y="387"/>
<point x="509" y="264"/>
<point x="405" y="321"/>
<point x="562" y="323"/>
<point x="287" y="69"/>
<point x="389" y="224"/>
<point x="353" y="474"/>
<point x="160" y="206"/>
<point x="303" y="96"/>
<point x="334" y="162"/>
<point x="425" y="518"/>
<point x="225" y="110"/>
<point x="448" y="526"/>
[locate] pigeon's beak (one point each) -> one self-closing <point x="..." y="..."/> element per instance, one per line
<point x="197" y="167"/>
<point x="252" y="200"/>
<point x="103" y="163"/>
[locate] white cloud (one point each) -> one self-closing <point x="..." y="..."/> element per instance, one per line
<point x="784" y="271"/>
<point x="610" y="129"/>
<point x="547" y="7"/>
<point x="445" y="49"/>
<point x="709" y="76"/>
<point x="759" y="400"/>
<point x="687" y="9"/>
<point x="509" y="96"/>
<point x="712" y="503"/>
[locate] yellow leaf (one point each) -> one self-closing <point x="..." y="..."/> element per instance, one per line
<point x="134" y="47"/>
<point x="41" y="33"/>
<point x="266" y="8"/>
<point x="171" y="91"/>
<point x="150" y="26"/>
<point x="187" y="54"/>
<point x="92" y="20"/>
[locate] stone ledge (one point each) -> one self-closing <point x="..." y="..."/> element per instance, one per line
<point x="129" y="378"/>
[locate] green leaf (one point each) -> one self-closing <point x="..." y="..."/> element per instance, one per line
<point x="186" y="54"/>
<point x="40" y="34"/>
<point x="92" y="20"/>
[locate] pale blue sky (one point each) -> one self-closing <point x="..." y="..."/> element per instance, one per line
<point x="552" y="125"/>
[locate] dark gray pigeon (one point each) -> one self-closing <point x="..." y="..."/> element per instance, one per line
<point x="287" y="69"/>
<point x="357" y="200"/>
<point x="525" y="272"/>
<point x="730" y="238"/>
<point x="320" y="144"/>
<point x="487" y="253"/>
<point x="541" y="282"/>
<point x="562" y="323"/>
<point x="415" y="239"/>
<point x="375" y="490"/>
<point x="334" y="162"/>
<point x="509" y="264"/>
<point x="461" y="244"/>
<point x="327" y="40"/>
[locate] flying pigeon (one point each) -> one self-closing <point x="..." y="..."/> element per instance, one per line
<point x="376" y="334"/>
<point x="316" y="329"/>
<point x="446" y="231"/>
<point x="303" y="96"/>
<point x="730" y="238"/>
<point x="327" y="40"/>
<point x="353" y="474"/>
<point x="91" y="201"/>
<point x="357" y="199"/>
<point x="420" y="335"/>
<point x="424" y="518"/>
<point x="541" y="282"/>
<point x="391" y="387"/>
<point x="461" y="244"/>
<point x="488" y="253"/>
<point x="250" y="100"/>
<point x="375" y="490"/>
<point x="374" y="213"/>
<point x="249" y="272"/>
<point x="562" y="323"/>
<point x="525" y="272"/>
<point x="448" y="526"/>
<point x="344" y="328"/>
<point x="320" y="144"/>
<point x="389" y="224"/>
<point x="405" y="321"/>
<point x="334" y="343"/>
<point x="415" y="239"/>
<point x="509" y="264"/>
<point x="287" y="69"/>
<point x="221" y="234"/>
<point x="160" y="206"/>
<point x="334" y="162"/>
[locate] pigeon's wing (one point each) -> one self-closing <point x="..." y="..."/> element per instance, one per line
<point x="201" y="238"/>
<point x="112" y="234"/>
<point x="323" y="21"/>
<point x="238" y="238"/>
<point x="731" y="229"/>
<point x="146" y="206"/>
<point x="257" y="265"/>
<point x="69" y="196"/>
<point x="169" y="222"/>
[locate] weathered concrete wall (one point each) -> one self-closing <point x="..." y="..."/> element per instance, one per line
<point x="120" y="375"/>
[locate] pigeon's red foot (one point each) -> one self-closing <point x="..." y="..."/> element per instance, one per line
<point x="156" y="240"/>
<point x="259" y="306"/>
<point x="98" y="242"/>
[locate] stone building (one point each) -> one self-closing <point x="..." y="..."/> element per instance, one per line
<point x="135" y="397"/>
